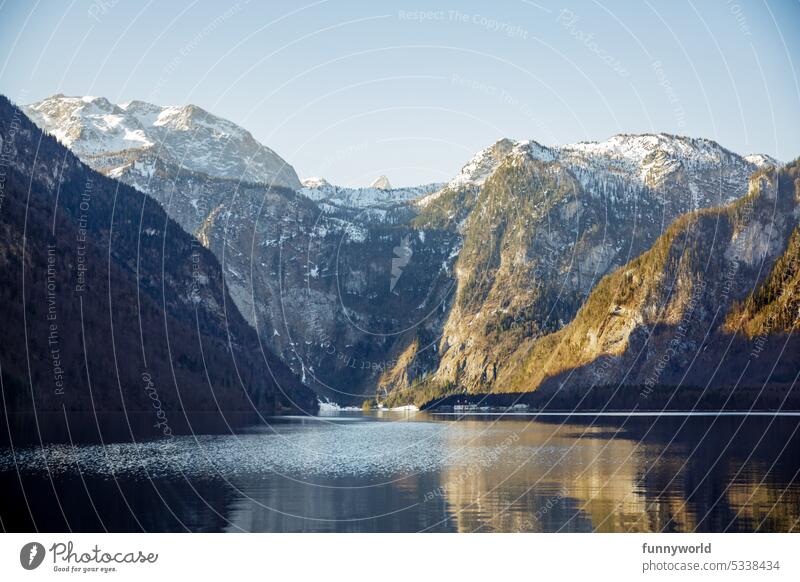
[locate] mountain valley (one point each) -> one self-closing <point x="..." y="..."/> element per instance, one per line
<point x="551" y="268"/>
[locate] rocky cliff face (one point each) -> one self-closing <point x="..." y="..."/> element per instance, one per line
<point x="335" y="290"/>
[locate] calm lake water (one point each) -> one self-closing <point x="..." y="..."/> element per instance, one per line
<point x="405" y="472"/>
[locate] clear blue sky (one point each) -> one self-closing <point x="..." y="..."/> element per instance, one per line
<point x="351" y="90"/>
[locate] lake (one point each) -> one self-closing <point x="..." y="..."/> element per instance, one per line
<point x="403" y="472"/>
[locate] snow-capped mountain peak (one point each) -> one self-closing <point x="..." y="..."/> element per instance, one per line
<point x="88" y="125"/>
<point x="762" y="160"/>
<point x="629" y="161"/>
<point x="331" y="197"/>
<point x="381" y="183"/>
<point x="650" y="159"/>
<point x="636" y="149"/>
<point x="186" y="136"/>
<point x="486" y="161"/>
<point x="483" y="164"/>
<point x="314" y="182"/>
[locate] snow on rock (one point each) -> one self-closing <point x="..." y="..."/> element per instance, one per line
<point x="485" y="162"/>
<point x="641" y="154"/>
<point x="314" y="182"/>
<point x="363" y="198"/>
<point x="187" y="136"/>
<point x="622" y="165"/>
<point x="482" y="164"/>
<point x="381" y="183"/>
<point x="762" y="160"/>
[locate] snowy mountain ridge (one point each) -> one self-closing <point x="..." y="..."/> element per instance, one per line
<point x="319" y="190"/>
<point x="185" y="136"/>
<point x="132" y="140"/>
<point x="627" y="152"/>
<point x="638" y="160"/>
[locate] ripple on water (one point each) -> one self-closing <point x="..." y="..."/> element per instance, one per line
<point x="331" y="450"/>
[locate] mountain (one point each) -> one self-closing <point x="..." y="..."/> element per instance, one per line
<point x="315" y="183"/>
<point x="380" y="204"/>
<point x="762" y="160"/>
<point x="427" y="289"/>
<point x="540" y="227"/>
<point x="381" y="183"/>
<point x="283" y="252"/>
<point x="134" y="139"/>
<point x="711" y="306"/>
<point x="109" y="304"/>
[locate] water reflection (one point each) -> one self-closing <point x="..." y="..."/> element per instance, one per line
<point x="669" y="474"/>
<point x="415" y="473"/>
<point x="575" y="480"/>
